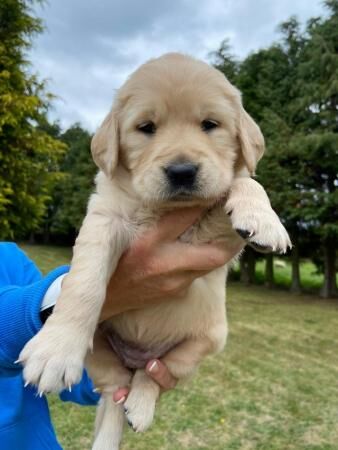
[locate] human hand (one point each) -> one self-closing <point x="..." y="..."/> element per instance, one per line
<point x="158" y="266"/>
<point x="159" y="372"/>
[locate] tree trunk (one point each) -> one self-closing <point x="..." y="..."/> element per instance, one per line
<point x="46" y="235"/>
<point x="248" y="266"/>
<point x="269" y="275"/>
<point x="329" y="288"/>
<point x="251" y="265"/>
<point x="296" y="286"/>
<point x="244" y="269"/>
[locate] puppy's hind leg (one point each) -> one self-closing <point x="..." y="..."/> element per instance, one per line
<point x="108" y="425"/>
<point x="108" y="374"/>
<point x="140" y="404"/>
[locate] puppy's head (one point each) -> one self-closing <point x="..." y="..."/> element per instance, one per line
<point x="179" y="129"/>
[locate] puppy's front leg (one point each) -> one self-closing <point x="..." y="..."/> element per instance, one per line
<point x="253" y="217"/>
<point x="53" y="359"/>
<point x="182" y="362"/>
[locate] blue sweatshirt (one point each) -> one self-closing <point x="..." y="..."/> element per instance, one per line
<point x="25" y="422"/>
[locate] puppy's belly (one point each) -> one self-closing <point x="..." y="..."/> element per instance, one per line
<point x="140" y="335"/>
<point x="133" y="355"/>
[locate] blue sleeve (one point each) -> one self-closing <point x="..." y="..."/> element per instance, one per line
<point x="22" y="289"/>
<point x="82" y="392"/>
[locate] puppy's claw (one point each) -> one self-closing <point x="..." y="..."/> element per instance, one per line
<point x="130" y="423"/>
<point x="244" y="233"/>
<point x="26" y="384"/>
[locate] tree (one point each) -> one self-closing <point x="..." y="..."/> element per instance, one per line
<point x="28" y="155"/>
<point x="224" y="60"/>
<point x="68" y="206"/>
<point x="317" y="142"/>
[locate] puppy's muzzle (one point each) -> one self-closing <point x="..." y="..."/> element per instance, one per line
<point x="181" y="177"/>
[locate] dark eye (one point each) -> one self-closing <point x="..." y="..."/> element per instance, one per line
<point x="147" y="127"/>
<point x="208" y="125"/>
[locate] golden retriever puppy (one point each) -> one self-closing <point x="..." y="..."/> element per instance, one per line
<point x="177" y="136"/>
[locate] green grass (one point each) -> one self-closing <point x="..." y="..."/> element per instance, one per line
<point x="47" y="257"/>
<point x="275" y="387"/>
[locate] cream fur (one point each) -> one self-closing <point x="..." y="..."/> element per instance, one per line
<point x="176" y="92"/>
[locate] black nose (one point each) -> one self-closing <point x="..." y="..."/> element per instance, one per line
<point x="181" y="175"/>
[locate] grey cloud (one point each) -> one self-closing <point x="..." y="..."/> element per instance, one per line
<point x="90" y="47"/>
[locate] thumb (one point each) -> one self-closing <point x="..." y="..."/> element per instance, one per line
<point x="159" y="372"/>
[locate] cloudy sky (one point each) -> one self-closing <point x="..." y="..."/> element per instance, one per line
<point x="89" y="47"/>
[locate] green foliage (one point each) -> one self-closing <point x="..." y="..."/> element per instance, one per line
<point x="225" y="61"/>
<point x="318" y="120"/>
<point x="28" y="155"/>
<point x="70" y="198"/>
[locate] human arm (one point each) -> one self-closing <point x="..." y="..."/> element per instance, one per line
<point x="22" y="288"/>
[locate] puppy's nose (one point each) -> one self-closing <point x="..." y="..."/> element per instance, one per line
<point x="181" y="174"/>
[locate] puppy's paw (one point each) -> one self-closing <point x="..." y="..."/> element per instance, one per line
<point x="139" y="409"/>
<point x="53" y="359"/>
<point x="260" y="226"/>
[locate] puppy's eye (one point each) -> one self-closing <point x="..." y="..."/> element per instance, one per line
<point x="208" y="125"/>
<point x="147" y="127"/>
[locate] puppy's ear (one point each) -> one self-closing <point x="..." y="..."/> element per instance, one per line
<point x="251" y="141"/>
<point x="105" y="144"/>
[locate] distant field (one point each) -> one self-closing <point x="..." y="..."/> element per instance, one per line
<point x="275" y="387"/>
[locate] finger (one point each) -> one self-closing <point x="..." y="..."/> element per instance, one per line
<point x="203" y="257"/>
<point x="159" y="372"/>
<point x="120" y="396"/>
<point x="175" y="223"/>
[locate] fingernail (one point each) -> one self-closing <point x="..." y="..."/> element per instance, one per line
<point x="122" y="399"/>
<point x="154" y="367"/>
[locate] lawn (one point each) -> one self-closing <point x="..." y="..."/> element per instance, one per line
<point x="275" y="387"/>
